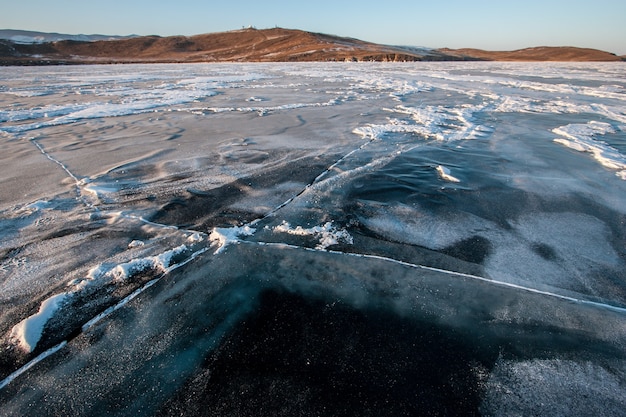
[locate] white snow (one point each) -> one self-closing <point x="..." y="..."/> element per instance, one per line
<point x="581" y="138"/>
<point x="445" y="174"/>
<point x="34" y="207"/>
<point x="28" y="332"/>
<point x="431" y="122"/>
<point x="158" y="263"/>
<point x="552" y="387"/>
<point x="195" y="237"/>
<point x="221" y="237"/>
<point x="327" y="234"/>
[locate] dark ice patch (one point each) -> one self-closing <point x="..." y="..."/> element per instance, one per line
<point x="297" y="356"/>
<point x="547" y="252"/>
<point x="204" y="209"/>
<point x="474" y="249"/>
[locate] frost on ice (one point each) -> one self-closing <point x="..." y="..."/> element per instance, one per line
<point x="224" y="236"/>
<point x="327" y="234"/>
<point x="580" y="137"/>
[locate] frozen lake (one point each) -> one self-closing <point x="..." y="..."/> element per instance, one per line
<point x="313" y="239"/>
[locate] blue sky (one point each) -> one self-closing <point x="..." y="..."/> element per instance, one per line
<point x="494" y="25"/>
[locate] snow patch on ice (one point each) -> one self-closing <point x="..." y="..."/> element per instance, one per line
<point x="103" y="274"/>
<point x="446" y="175"/>
<point x="136" y="244"/>
<point x="546" y="250"/>
<point x="327" y="234"/>
<point x="431" y="122"/>
<point x="260" y="110"/>
<point x="221" y="237"/>
<point x="94" y="189"/>
<point x="195" y="237"/>
<point x="28" y="332"/>
<point x="416" y="226"/>
<point x="580" y="137"/>
<point x="552" y="387"/>
<point x="35" y="207"/>
<point x="132" y="101"/>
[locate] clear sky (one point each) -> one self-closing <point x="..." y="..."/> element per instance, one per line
<point x="485" y="24"/>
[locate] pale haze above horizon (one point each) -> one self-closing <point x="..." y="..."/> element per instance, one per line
<point x="491" y="25"/>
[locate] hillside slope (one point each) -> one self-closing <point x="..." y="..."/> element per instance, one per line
<point x="251" y="45"/>
<point x="541" y="53"/>
<point x="267" y="45"/>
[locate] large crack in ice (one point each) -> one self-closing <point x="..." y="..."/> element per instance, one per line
<point x="77" y="182"/>
<point x="97" y="287"/>
<point x="28" y="332"/>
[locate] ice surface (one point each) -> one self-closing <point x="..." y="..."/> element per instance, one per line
<point x="533" y="387"/>
<point x="152" y="215"/>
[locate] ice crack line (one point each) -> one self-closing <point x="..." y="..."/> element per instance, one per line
<point x="448" y="272"/>
<point x="77" y="182"/>
<point x="56" y="161"/>
<point x="86" y="326"/>
<point x="6" y="381"/>
<point x="312" y="183"/>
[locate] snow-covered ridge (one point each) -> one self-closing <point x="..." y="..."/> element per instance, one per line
<point x="103" y="277"/>
<point x="26" y="36"/>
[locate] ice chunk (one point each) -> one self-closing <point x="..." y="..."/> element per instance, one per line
<point x="327" y="234"/>
<point x="224" y="236"/>
<point x="136" y="244"/>
<point x="158" y="263"/>
<point x="445" y="175"/>
<point x="28" y="332"/>
<point x="195" y="237"/>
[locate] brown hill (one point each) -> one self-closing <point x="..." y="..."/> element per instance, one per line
<point x="541" y="53"/>
<point x="267" y="45"/>
<point x="251" y="45"/>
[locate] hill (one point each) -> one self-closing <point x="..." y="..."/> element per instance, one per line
<point x="541" y="53"/>
<point x="29" y="36"/>
<point x="252" y="45"/>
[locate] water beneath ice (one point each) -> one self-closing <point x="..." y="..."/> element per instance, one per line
<point x="313" y="239"/>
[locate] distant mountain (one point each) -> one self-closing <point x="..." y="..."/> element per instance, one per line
<point x="27" y="36"/>
<point x="541" y="53"/>
<point x="252" y="45"/>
